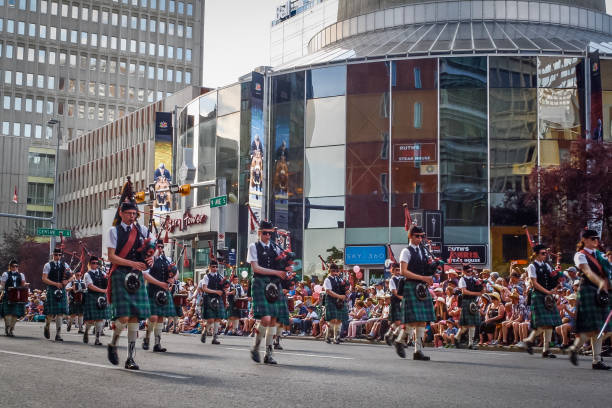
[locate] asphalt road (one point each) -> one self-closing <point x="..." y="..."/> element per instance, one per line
<point x="39" y="372"/>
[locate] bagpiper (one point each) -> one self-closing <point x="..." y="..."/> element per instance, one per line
<point x="95" y="305"/>
<point x="12" y="306"/>
<point x="471" y="289"/>
<point x="56" y="275"/>
<point x="75" y="290"/>
<point x="396" y="314"/>
<point x="335" y="303"/>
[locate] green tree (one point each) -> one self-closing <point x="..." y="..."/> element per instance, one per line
<point x="12" y="242"/>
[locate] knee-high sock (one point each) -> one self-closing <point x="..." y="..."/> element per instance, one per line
<point x="58" y="324"/>
<point x="270" y="335"/>
<point x="534" y="335"/>
<point x="460" y="332"/>
<point x="175" y="320"/>
<point x="80" y="322"/>
<point x="7" y="322"/>
<point x="215" y="329"/>
<point x="87" y="327"/>
<point x="13" y="323"/>
<point x="400" y="336"/>
<point x="157" y="331"/>
<point x="547" y="338"/>
<point x="596" y="345"/>
<point x="150" y="328"/>
<point x="132" y="336"/>
<point x="260" y="331"/>
<point x="471" y="334"/>
<point x="397" y="330"/>
<point x="117" y="332"/>
<point x="98" y="329"/>
<point x="418" y="340"/>
<point x="578" y="342"/>
<point x="337" y="330"/>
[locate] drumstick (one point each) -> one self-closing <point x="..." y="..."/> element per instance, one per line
<point x="604" y="325"/>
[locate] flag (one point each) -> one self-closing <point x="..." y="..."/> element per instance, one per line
<point x="15" y="199"/>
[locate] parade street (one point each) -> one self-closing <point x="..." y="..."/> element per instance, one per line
<point x="39" y="372"/>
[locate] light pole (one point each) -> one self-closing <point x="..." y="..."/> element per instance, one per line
<point x="53" y="122"/>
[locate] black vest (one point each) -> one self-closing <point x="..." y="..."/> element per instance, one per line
<point x="98" y="279"/>
<point x="399" y="286"/>
<point x="594" y="267"/>
<point x="214" y="282"/>
<point x="417" y="263"/>
<point x="56" y="273"/>
<point x="337" y="285"/>
<point x="266" y="257"/>
<point x="122" y="237"/>
<point x="472" y="286"/>
<point x="160" y="269"/>
<point x="13" y="280"/>
<point x="544" y="278"/>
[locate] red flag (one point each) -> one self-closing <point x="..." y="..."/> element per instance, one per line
<point x="407" y="217"/>
<point x="15" y="199"/>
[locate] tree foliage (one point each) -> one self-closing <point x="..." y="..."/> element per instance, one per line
<point x="12" y="242"/>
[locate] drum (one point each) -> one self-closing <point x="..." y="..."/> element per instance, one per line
<point x="180" y="300"/>
<point x="291" y="304"/>
<point x="18" y="295"/>
<point x="241" y="303"/>
<point x="77" y="297"/>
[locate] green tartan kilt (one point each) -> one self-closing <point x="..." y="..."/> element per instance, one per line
<point x="233" y="310"/>
<point x="11" y="309"/>
<point x="90" y="307"/>
<point x="467" y="318"/>
<point x="396" y="312"/>
<point x="589" y="316"/>
<point x="416" y="310"/>
<point x="75" y="308"/>
<point x="124" y="304"/>
<point x="52" y="306"/>
<point x="166" y="310"/>
<point x="332" y="312"/>
<point x="209" y="313"/>
<point x="261" y="306"/>
<point x="284" y="317"/>
<point x="540" y="316"/>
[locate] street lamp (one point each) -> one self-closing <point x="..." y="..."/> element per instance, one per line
<point x="53" y="122"/>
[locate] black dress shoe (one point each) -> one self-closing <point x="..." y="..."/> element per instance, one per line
<point x="473" y="347"/>
<point x="203" y="337"/>
<point x="131" y="365"/>
<point x="573" y="357"/>
<point x="255" y="355"/>
<point x="600" y="365"/>
<point x="400" y="350"/>
<point x="215" y="341"/>
<point x="80" y="331"/>
<point x="529" y="347"/>
<point x="548" y="354"/>
<point x="145" y="343"/>
<point x="278" y="347"/>
<point x="97" y="343"/>
<point x="420" y="356"/>
<point x="68" y="327"/>
<point x="46" y="333"/>
<point x="328" y="340"/>
<point x="58" y="338"/>
<point x="112" y="355"/>
<point x="389" y="339"/>
<point x="158" y="349"/>
<point x="86" y="338"/>
<point x="337" y="341"/>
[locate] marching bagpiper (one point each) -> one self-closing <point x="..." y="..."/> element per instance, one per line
<point x="75" y="290"/>
<point x="262" y="256"/>
<point x="12" y="308"/>
<point x="592" y="305"/>
<point x="95" y="306"/>
<point x="56" y="275"/>
<point x="213" y="308"/>
<point x="471" y="289"/>
<point x="335" y="303"/>
<point x="235" y="313"/>
<point x="544" y="313"/>
<point x="396" y="314"/>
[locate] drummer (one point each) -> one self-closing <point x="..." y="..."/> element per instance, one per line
<point x="236" y="292"/>
<point x="75" y="291"/>
<point x="11" y="311"/>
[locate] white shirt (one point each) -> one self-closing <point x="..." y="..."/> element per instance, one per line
<point x="392" y="286"/>
<point x="462" y="283"/>
<point x="405" y="254"/>
<point x="327" y="284"/>
<point x="312" y="315"/>
<point x="47" y="267"/>
<point x="531" y="270"/>
<point x="5" y="276"/>
<point x="252" y="254"/>
<point x="581" y="259"/>
<point x="112" y="234"/>
<point x="205" y="278"/>
<point x="88" y="280"/>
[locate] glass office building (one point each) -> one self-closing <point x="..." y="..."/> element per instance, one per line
<point x="447" y="107"/>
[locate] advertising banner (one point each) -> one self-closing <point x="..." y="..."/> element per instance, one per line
<point x="468" y="253"/>
<point x="257" y="149"/>
<point x="163" y="160"/>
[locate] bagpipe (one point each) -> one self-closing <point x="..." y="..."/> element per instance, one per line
<point x="225" y="283"/>
<point x="343" y="289"/>
<point x="284" y="260"/>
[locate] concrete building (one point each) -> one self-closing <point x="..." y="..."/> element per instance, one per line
<point x="84" y="63"/>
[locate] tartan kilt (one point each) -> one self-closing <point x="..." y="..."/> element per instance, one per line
<point x="209" y="313"/>
<point x="332" y="312"/>
<point x="284" y="317"/>
<point x="540" y="316"/>
<point x="75" y="308"/>
<point x="12" y="309"/>
<point x="166" y="310"/>
<point x="52" y="306"/>
<point x="416" y="310"/>
<point x="396" y="312"/>
<point x="589" y="316"/>
<point x="468" y="319"/>
<point x="233" y="310"/>
<point x="90" y="307"/>
<point x="124" y="304"/>
<point x="261" y="306"/>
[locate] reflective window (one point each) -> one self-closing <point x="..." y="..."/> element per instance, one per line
<point x="324" y="212"/>
<point x="557" y="72"/>
<point x="325" y="82"/>
<point x="229" y="100"/>
<point x="325" y="121"/>
<point x="324" y="163"/>
<point x="207" y="130"/>
<point x="228" y="136"/>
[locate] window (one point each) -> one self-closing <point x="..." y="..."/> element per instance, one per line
<point x="30" y="80"/>
<point x="64" y="10"/>
<point x="113" y="43"/>
<point x="22" y="4"/>
<point x="43" y="6"/>
<point x="124" y="21"/>
<point x="179" y="76"/>
<point x="52" y="57"/>
<point x="33" y="5"/>
<point x="81" y="111"/>
<point x="160" y="73"/>
<point x="179" y="53"/>
<point x="142" y="47"/>
<point x="5" y="128"/>
<point x="152" y="25"/>
<point x="134" y="22"/>
<point x="54" y="8"/>
<point x="188" y="54"/>
<point x="122" y="67"/>
<point x="115" y="19"/>
<point x="93" y="63"/>
<point x="189" y="9"/>
<point x="50" y="104"/>
<point x="73" y="59"/>
<point x="94" y="39"/>
<point x="9" y="51"/>
<point x="179" y="30"/>
<point x="91" y="112"/>
<point x="162" y="27"/>
<point x="132" y="45"/>
<point x="17" y="103"/>
<point x="151" y="71"/>
<point x="7" y="102"/>
<point x="38" y="132"/>
<point x="170" y="51"/>
<point x="123" y="45"/>
<point x="160" y="50"/>
<point x="39" y="105"/>
<point x="171" y="5"/>
<point x="151" y="49"/>
<point x="40" y="193"/>
<point x="94" y="15"/>
<point x="85" y="14"/>
<point x="83" y="38"/>
<point x="42" y="54"/>
<point x="92" y="88"/>
<point x="187" y="77"/>
<point x="17" y="129"/>
<point x="62" y="59"/>
<point x="112" y="90"/>
<point x="102" y="64"/>
<point x="63" y="34"/>
<point x="101" y="90"/>
<point x="42" y="31"/>
<point x="132" y="68"/>
<point x="84" y="61"/>
<point x="153" y="4"/>
<point x="181" y="7"/>
<point x="40" y="81"/>
<point x="103" y="41"/>
<point x="75" y="11"/>
<point x="28" y="104"/>
<point x="143" y="24"/>
<point x="113" y="66"/>
<point x="82" y="87"/>
<point x="131" y="92"/>
<point x="19" y="78"/>
<point x="73" y="36"/>
<point x="20" y="28"/>
<point x="104" y="17"/>
<point x="27" y="131"/>
<point x="10" y="26"/>
<point x="170" y="28"/>
<point x="170" y="75"/>
<point x="141" y="70"/>
<point x="31" y="54"/>
<point x="70" y="109"/>
<point x="52" y="33"/>
<point x="20" y="53"/>
<point x="162" y="5"/>
<point x="51" y="82"/>
<point x="32" y="30"/>
<point x="189" y="33"/>
<point x="8" y="77"/>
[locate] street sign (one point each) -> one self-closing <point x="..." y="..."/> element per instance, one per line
<point x="220" y="201"/>
<point x="50" y="232"/>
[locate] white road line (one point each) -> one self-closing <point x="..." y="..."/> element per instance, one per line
<point x="63" y="360"/>
<point x="296" y="354"/>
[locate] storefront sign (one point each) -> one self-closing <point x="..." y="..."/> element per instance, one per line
<point x="469" y="253"/>
<point x="365" y="255"/>
<point x="414" y="152"/>
<point x="188" y="219"/>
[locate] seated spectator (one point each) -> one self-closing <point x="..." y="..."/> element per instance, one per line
<point x="568" y="316"/>
<point x="311" y="319"/>
<point x="356" y="318"/>
<point x="494" y="313"/>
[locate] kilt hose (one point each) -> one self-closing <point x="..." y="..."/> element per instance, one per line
<point x="54" y="306"/>
<point x="540" y="315"/>
<point x="124" y="304"/>
<point x="590" y="316"/>
<point x="90" y="307"/>
<point x="261" y="306"/>
<point x="416" y="310"/>
<point x="467" y="318"/>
